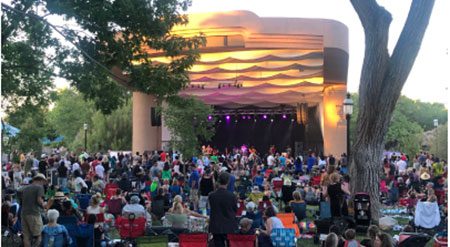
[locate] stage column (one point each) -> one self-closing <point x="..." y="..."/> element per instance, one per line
<point x="145" y="136"/>
<point x="334" y="131"/>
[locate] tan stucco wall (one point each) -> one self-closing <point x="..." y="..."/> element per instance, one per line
<point x="334" y="125"/>
<point x="145" y="136"/>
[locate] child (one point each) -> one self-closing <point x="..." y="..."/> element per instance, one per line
<point x="350" y="238"/>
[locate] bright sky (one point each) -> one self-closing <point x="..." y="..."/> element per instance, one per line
<point x="429" y="78"/>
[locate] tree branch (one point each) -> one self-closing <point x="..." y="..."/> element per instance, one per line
<point x="408" y="44"/>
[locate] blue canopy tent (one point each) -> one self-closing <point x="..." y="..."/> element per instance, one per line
<point x="9" y="130"/>
<point x="47" y="141"/>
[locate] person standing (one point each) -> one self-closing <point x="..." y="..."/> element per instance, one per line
<point x="32" y="201"/>
<point x="223" y="211"/>
<point x="62" y="175"/>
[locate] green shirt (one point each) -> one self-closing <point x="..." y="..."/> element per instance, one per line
<point x="166" y="174"/>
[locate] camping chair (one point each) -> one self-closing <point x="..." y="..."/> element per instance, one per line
<point x="114" y="206"/>
<point x="85" y="236"/>
<point x="71" y="224"/>
<point x="100" y="218"/>
<point x="412" y="239"/>
<point x="282" y="237"/>
<point x="288" y="220"/>
<point x="237" y="240"/>
<point x="83" y="201"/>
<point x="193" y="240"/>
<point x="131" y="228"/>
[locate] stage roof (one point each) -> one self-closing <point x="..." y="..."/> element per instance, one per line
<point x="251" y="60"/>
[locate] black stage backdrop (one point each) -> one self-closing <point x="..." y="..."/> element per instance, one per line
<point x="261" y="134"/>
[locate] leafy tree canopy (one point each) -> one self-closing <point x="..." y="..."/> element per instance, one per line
<point x="109" y="36"/>
<point x="27" y="65"/>
<point x="409" y="121"/>
<point x="69" y="114"/>
<point x="187" y="120"/>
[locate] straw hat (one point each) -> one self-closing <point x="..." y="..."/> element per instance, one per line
<point x="39" y="176"/>
<point x="425" y="176"/>
<point x="59" y="195"/>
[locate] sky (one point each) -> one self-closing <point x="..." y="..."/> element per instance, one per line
<point x="429" y="78"/>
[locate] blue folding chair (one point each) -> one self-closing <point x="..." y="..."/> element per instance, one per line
<point x="283" y="237"/>
<point x="85" y="236"/>
<point x="71" y="224"/>
<point x="83" y="201"/>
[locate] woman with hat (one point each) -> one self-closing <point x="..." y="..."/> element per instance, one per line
<point x="56" y="201"/>
<point x="425" y="178"/>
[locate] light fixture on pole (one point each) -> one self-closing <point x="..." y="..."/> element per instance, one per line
<point x="348" y="111"/>
<point x="436" y="124"/>
<point x="85" y="127"/>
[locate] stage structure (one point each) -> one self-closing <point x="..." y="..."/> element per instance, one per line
<point x="277" y="81"/>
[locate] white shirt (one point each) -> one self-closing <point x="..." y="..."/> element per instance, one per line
<point x="78" y="183"/>
<point x="270" y="160"/>
<point x="137" y="209"/>
<point x="100" y="170"/>
<point x="401" y="166"/>
<point x="76" y="166"/>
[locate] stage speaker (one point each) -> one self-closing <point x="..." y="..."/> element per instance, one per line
<point x="155" y="117"/>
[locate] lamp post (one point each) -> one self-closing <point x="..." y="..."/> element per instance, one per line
<point x="348" y="110"/>
<point x="436" y="124"/>
<point x="85" y="127"/>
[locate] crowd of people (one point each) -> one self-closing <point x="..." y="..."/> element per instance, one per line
<point x="239" y="191"/>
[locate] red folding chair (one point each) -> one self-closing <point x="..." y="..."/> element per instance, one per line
<point x="131" y="228"/>
<point x="100" y="218"/>
<point x="241" y="207"/>
<point x="277" y="185"/>
<point x="193" y="240"/>
<point x="237" y="240"/>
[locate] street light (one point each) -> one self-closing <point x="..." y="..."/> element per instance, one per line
<point x="436" y="124"/>
<point x="348" y="111"/>
<point x="85" y="127"/>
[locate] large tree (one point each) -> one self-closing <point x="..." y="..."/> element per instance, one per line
<point x="108" y="39"/>
<point x="382" y="78"/>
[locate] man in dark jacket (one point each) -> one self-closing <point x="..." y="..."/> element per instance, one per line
<point x="223" y="211"/>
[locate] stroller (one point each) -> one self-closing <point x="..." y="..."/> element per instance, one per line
<point x="363" y="217"/>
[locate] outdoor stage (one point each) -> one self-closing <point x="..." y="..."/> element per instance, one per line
<point x="255" y="66"/>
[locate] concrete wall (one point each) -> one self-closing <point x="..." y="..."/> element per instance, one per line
<point x="334" y="124"/>
<point x="145" y="136"/>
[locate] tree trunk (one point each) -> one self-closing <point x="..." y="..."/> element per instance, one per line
<point x="382" y="79"/>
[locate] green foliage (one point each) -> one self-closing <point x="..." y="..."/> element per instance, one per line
<point x="105" y="35"/>
<point x="439" y="144"/>
<point x="409" y="121"/>
<point x="33" y="126"/>
<point x="403" y="135"/>
<point x="422" y="113"/>
<point x="107" y="131"/>
<point x="119" y="34"/>
<point x="70" y="113"/>
<point x="27" y="68"/>
<point x="187" y="120"/>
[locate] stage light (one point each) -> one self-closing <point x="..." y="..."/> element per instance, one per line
<point x="271" y="120"/>
<point x="292" y="120"/>
<point x="227" y="117"/>
<point x="243" y="117"/>
<point x="235" y="120"/>
<point x="209" y="118"/>
<point x="249" y="117"/>
<point x="284" y="116"/>
<point x="220" y="120"/>
<point x="265" y="116"/>
<point x="254" y="120"/>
